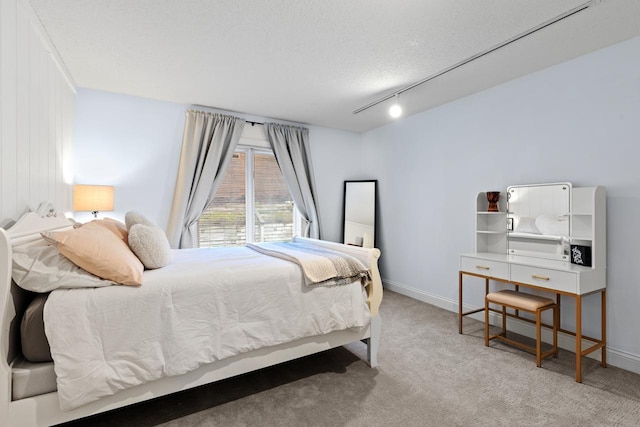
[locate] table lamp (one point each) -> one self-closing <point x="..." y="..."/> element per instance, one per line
<point x="93" y="198"/>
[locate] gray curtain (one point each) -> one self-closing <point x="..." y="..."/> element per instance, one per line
<point x="207" y="149"/>
<point x="290" y="145"/>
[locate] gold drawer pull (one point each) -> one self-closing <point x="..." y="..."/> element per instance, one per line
<point x="482" y="267"/>
<point x="535" y="276"/>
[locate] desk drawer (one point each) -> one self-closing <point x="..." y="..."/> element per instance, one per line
<point x="545" y="278"/>
<point x="485" y="267"/>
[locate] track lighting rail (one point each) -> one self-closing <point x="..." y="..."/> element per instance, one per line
<point x="532" y="30"/>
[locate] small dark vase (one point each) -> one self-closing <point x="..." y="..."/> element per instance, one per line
<point x="493" y="197"/>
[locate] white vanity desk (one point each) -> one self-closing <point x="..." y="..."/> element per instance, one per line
<point x="544" y="263"/>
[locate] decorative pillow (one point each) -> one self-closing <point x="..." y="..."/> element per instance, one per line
<point x="132" y="218"/>
<point x="527" y="225"/>
<point x="35" y="346"/>
<point x="42" y="269"/>
<point x="553" y="225"/>
<point x="99" y="251"/>
<point x="150" y="244"/>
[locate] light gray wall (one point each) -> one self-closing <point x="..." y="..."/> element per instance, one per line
<point x="131" y="143"/>
<point x="36" y="117"/>
<point x="575" y="122"/>
<point x="336" y="157"/>
<point x="134" y="144"/>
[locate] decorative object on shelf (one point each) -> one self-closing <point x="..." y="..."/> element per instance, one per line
<point x="493" y="197"/>
<point x="93" y="198"/>
<point x="46" y="209"/>
<point x="509" y="224"/>
<point x="581" y="255"/>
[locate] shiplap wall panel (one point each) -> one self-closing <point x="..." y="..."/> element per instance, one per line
<point x="43" y="141"/>
<point x="59" y="102"/>
<point x="22" y="108"/>
<point x="68" y="144"/>
<point x="35" y="112"/>
<point x="51" y="134"/>
<point x="36" y="116"/>
<point x="8" y="72"/>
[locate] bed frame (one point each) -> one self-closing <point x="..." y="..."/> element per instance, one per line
<point x="43" y="410"/>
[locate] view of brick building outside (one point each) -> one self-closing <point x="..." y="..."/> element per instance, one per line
<point x="224" y="222"/>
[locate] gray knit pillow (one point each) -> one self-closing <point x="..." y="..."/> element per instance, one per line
<point x="132" y="218"/>
<point x="150" y="245"/>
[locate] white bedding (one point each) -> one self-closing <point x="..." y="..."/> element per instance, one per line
<point x="208" y="304"/>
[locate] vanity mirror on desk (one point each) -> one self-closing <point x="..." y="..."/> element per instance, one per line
<point x="549" y="237"/>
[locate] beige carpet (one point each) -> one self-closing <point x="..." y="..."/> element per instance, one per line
<point x="429" y="375"/>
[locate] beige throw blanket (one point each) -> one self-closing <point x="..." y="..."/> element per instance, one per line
<point x="320" y="266"/>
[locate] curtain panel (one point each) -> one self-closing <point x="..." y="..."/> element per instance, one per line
<point x="290" y="145"/>
<point x="208" y="145"/>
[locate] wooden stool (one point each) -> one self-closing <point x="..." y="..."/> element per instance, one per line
<point x="526" y="302"/>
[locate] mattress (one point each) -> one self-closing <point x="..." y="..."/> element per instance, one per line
<point x="31" y="379"/>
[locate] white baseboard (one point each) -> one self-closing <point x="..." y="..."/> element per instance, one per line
<point x="618" y="358"/>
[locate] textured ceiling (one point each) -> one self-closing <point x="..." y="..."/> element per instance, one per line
<point x="316" y="61"/>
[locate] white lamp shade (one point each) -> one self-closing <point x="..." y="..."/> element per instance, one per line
<point x="92" y="198"/>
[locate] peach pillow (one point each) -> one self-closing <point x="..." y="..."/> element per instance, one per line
<point x="98" y="250"/>
<point x="113" y="225"/>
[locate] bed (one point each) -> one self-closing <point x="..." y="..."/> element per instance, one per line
<point x="43" y="408"/>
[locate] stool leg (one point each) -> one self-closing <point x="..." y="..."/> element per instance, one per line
<point x="556" y="322"/>
<point x="538" y="338"/>
<point x="486" y="322"/>
<point x="504" y="320"/>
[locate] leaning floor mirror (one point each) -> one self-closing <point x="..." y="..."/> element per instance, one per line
<point x="359" y="222"/>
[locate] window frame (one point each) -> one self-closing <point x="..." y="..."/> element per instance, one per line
<point x="250" y="145"/>
<point x="250" y="196"/>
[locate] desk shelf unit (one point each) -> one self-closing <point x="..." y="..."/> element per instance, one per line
<point x="532" y="266"/>
<point x="491" y="227"/>
<point x="588" y="222"/>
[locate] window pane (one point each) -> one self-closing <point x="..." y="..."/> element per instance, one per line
<point x="223" y="223"/>
<point x="273" y="203"/>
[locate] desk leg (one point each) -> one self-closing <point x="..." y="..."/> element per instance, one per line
<point x="460" y="302"/>
<point x="604" y="328"/>
<point x="578" y="338"/>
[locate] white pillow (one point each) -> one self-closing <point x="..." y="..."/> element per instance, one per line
<point x="150" y="245"/>
<point x="132" y="218"/>
<point x="43" y="269"/>
<point x="553" y="225"/>
<point x="527" y="225"/>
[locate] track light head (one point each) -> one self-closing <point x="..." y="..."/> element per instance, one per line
<point x="396" y="110"/>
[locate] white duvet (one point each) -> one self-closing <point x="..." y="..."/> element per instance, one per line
<point x="208" y="304"/>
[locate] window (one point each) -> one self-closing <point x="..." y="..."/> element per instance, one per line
<point x="252" y="196"/>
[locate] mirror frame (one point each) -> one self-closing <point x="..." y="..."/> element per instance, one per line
<point x="556" y="247"/>
<point x="375" y="207"/>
